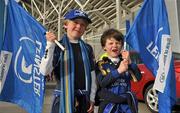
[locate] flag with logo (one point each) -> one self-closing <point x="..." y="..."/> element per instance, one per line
<point x="150" y="36"/>
<point x="22" y="50"/>
<point x="2" y="18"/>
<point x="2" y="26"/>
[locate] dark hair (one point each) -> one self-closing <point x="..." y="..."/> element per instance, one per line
<point x="111" y="33"/>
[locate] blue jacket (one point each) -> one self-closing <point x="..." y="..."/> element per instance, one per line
<point x="112" y="84"/>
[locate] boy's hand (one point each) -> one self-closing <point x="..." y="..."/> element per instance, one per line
<point x="91" y="108"/>
<point x="50" y="36"/>
<point x="126" y="56"/>
<point x="123" y="66"/>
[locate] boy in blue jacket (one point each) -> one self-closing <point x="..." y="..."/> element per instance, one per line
<point x="113" y="76"/>
<point x="73" y="67"/>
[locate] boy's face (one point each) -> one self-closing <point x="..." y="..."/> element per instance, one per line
<point x="113" y="47"/>
<point x="75" y="28"/>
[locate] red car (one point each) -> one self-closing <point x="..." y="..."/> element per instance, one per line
<point x="143" y="88"/>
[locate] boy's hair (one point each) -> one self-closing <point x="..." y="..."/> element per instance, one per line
<point x="111" y="33"/>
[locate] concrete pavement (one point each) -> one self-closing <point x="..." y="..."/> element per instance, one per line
<point x="12" y="108"/>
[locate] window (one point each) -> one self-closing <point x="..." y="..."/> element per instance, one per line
<point x="176" y="56"/>
<point x="135" y="58"/>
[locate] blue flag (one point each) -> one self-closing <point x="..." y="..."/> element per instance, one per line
<point x="2" y="17"/>
<point x="150" y="36"/>
<point x="23" y="47"/>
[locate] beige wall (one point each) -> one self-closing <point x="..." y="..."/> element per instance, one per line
<point x="173" y="9"/>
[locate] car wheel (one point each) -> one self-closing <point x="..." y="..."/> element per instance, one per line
<point x="151" y="99"/>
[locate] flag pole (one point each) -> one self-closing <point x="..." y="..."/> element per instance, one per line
<point x="59" y="45"/>
<point x="127" y="29"/>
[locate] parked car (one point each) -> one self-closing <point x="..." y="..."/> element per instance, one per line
<point x="143" y="88"/>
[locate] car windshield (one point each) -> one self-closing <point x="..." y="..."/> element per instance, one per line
<point x="176" y="56"/>
<point x="135" y="58"/>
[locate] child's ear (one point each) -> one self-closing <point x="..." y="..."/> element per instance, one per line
<point x="104" y="49"/>
<point x="65" y="26"/>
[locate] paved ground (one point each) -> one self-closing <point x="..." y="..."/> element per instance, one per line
<point x="11" y="108"/>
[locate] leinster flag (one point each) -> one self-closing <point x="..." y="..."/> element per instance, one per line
<point x="150" y="36"/>
<point x="2" y="21"/>
<point x="22" y="49"/>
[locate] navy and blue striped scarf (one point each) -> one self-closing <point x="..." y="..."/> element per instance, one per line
<point x="67" y="75"/>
